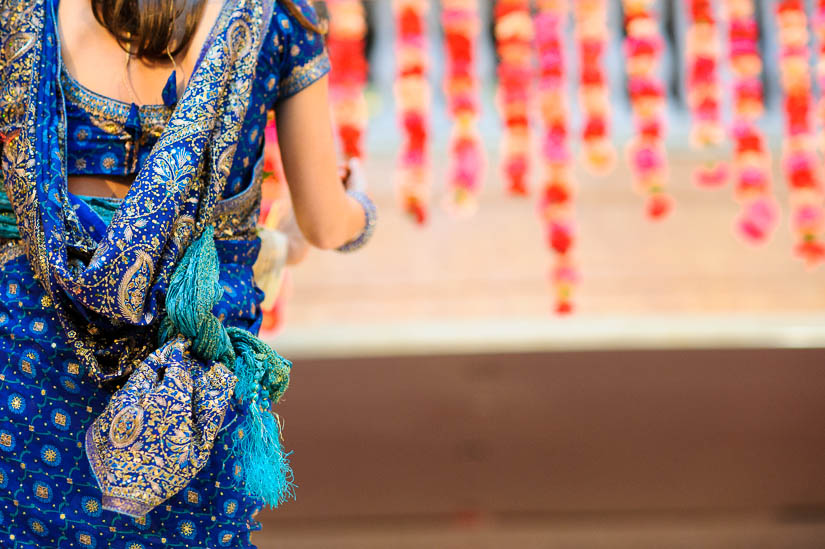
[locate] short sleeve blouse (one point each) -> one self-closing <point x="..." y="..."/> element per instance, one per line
<point x="292" y="57"/>
<point x="103" y="133"/>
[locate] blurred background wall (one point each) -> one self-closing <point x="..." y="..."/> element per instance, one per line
<point x="437" y="403"/>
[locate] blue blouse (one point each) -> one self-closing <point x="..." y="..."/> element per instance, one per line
<point x="110" y="137"/>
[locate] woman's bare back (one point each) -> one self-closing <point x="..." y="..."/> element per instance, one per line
<point x="94" y="58"/>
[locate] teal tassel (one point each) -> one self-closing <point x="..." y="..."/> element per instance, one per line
<point x="194" y="290"/>
<point x="263" y="375"/>
<point x="271" y="370"/>
<point x="267" y="473"/>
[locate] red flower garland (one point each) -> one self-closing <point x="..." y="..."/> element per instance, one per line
<point x="345" y="43"/>
<point x="646" y="153"/>
<point x="704" y="93"/>
<point x="413" y="97"/>
<point x="751" y="160"/>
<point x="799" y="156"/>
<point x="556" y="201"/>
<point x="461" y="26"/>
<point x="592" y="35"/>
<point x="514" y="38"/>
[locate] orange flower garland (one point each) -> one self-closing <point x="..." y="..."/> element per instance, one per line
<point x="412" y="93"/>
<point x="345" y="43"/>
<point x="646" y="153"/>
<point x="799" y="160"/>
<point x="591" y="36"/>
<point x="703" y="90"/>
<point x="556" y="202"/>
<point x="461" y="26"/>
<point x="514" y="41"/>
<point x="751" y="160"/>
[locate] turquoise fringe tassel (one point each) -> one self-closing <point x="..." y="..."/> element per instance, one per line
<point x="258" y="440"/>
<point x="194" y="290"/>
<point x="262" y="374"/>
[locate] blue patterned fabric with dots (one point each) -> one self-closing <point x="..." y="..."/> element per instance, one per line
<point x="48" y="495"/>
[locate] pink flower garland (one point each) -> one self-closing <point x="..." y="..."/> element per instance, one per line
<point x="751" y="159"/>
<point x="799" y="160"/>
<point x="514" y="41"/>
<point x="646" y="153"/>
<point x="412" y="93"/>
<point x="704" y="93"/>
<point x="556" y="202"/>
<point x="591" y="36"/>
<point x="345" y="43"/>
<point x="461" y="26"/>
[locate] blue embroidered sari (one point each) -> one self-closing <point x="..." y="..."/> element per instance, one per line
<point x="84" y="305"/>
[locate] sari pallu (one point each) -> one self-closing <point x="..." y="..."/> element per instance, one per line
<point x="136" y="297"/>
<point x="49" y="497"/>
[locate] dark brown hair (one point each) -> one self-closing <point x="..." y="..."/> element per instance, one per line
<point x="153" y="29"/>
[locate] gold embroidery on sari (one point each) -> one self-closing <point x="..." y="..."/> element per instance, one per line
<point x="9" y="250"/>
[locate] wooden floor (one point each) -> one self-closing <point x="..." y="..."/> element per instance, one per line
<point x="625" y="449"/>
<point x="715" y="533"/>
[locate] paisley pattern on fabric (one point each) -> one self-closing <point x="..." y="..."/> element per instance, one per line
<point x="59" y="404"/>
<point x="84" y="294"/>
<point x="184" y="176"/>
<point x="147" y="442"/>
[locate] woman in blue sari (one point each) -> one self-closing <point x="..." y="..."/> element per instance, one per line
<point x="135" y="398"/>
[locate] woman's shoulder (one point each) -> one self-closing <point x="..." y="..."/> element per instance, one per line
<point x="305" y="7"/>
<point x="292" y="50"/>
<point x="285" y="25"/>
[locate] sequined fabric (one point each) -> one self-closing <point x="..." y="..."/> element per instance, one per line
<point x="108" y="137"/>
<point x="82" y="296"/>
<point x="49" y="497"/>
<point x="142" y="423"/>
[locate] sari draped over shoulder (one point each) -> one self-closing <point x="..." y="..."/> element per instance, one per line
<point x="136" y="296"/>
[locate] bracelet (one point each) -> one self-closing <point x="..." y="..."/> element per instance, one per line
<point x="371" y="216"/>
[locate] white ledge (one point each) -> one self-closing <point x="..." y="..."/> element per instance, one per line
<point x="578" y="333"/>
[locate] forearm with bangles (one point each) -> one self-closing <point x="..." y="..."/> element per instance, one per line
<point x="356" y="220"/>
<point x="369" y="218"/>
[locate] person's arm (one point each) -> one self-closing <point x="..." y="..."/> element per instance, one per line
<point x="327" y="216"/>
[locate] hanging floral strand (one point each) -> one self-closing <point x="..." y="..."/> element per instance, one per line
<point x="703" y="89"/>
<point x="461" y="26"/>
<point x="412" y="92"/>
<point x="751" y="158"/>
<point x="514" y="43"/>
<point x="345" y="43"/>
<point x="819" y="30"/>
<point x="556" y="201"/>
<point x="592" y="37"/>
<point x="799" y="160"/>
<point x="646" y="153"/>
